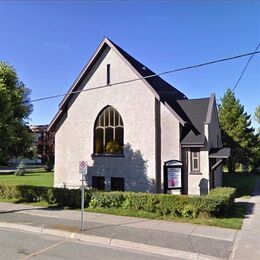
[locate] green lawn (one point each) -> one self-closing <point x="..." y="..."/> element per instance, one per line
<point x="243" y="182"/>
<point x="37" y="177"/>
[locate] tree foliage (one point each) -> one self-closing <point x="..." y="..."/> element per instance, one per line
<point x="15" y="108"/>
<point x="237" y="131"/>
<point x="257" y="114"/>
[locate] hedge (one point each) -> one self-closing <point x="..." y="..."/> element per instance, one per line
<point x="218" y="200"/>
<point x="53" y="196"/>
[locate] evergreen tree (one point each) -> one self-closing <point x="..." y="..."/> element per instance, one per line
<point x="15" y="108"/>
<point x="257" y="116"/>
<point x="256" y="154"/>
<point x="237" y="132"/>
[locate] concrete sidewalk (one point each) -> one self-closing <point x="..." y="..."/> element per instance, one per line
<point x="247" y="243"/>
<point x="187" y="241"/>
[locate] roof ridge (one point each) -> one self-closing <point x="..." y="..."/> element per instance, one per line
<point x="192" y="99"/>
<point x="144" y="71"/>
<point x="162" y="90"/>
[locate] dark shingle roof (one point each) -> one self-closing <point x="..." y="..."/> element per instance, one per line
<point x="167" y="93"/>
<point x="196" y="111"/>
<point x="159" y="85"/>
<point x="219" y="153"/>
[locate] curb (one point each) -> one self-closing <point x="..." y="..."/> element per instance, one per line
<point x="110" y="242"/>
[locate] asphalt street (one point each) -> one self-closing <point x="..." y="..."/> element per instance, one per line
<point x="26" y="245"/>
<point x="179" y="241"/>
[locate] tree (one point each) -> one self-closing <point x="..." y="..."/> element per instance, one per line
<point x="257" y="114"/>
<point x="236" y="131"/>
<point x="15" y="107"/>
<point x="256" y="156"/>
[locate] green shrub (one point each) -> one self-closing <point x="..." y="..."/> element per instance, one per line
<point x="29" y="193"/>
<point x="141" y="201"/>
<point x="169" y="205"/>
<point x="106" y="199"/>
<point x="49" y="165"/>
<point x="20" y="169"/>
<point x="53" y="196"/>
<point x="66" y="197"/>
<point x="218" y="200"/>
<point x="8" y="192"/>
<point x="225" y="196"/>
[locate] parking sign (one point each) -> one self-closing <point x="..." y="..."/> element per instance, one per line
<point x="83" y="167"/>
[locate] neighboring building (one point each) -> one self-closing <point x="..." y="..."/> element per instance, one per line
<point x="43" y="146"/>
<point x="44" y="143"/>
<point x="126" y="132"/>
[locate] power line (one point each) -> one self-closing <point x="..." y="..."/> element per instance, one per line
<point x="245" y="67"/>
<point x="149" y="76"/>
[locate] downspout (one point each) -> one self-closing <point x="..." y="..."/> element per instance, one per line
<point x="158" y="166"/>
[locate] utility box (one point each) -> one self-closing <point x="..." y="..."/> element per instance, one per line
<point x="173" y="176"/>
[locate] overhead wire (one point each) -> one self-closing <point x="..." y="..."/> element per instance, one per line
<point x="243" y="71"/>
<point x="150" y="76"/>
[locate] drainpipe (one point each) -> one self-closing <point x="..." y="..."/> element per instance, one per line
<point x="158" y="166"/>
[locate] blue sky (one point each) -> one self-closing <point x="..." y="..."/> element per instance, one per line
<point x="48" y="43"/>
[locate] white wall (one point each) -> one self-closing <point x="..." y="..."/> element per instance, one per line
<point x="199" y="183"/>
<point x="170" y="138"/>
<point x="74" y="139"/>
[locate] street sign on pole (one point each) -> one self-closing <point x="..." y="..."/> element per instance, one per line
<point x="83" y="170"/>
<point x="83" y="167"/>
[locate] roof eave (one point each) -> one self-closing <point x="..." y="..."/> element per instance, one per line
<point x="54" y="120"/>
<point x="75" y="83"/>
<point x="192" y="145"/>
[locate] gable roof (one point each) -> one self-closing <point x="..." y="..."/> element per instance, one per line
<point x="196" y="110"/>
<point x="158" y="84"/>
<point x="161" y="89"/>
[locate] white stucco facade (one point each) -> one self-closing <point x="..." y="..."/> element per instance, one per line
<point x="152" y="133"/>
<point x="74" y="138"/>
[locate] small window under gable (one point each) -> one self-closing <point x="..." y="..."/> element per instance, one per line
<point x="108" y="74"/>
<point x="108" y="132"/>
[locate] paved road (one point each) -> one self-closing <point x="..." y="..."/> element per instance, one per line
<point x="24" y="245"/>
<point x="200" y="239"/>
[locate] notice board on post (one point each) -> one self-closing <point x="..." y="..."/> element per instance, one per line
<point x="173" y="175"/>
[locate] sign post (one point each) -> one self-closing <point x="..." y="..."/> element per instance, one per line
<point x="83" y="170"/>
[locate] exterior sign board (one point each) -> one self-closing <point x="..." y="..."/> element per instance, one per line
<point x="173" y="175"/>
<point x="83" y="167"/>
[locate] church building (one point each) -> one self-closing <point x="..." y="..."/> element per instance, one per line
<point x="131" y="127"/>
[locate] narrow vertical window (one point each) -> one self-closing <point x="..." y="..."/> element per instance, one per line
<point x="195" y="160"/>
<point x="108" y="74"/>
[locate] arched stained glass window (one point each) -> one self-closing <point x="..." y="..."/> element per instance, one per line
<point x="109" y="132"/>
